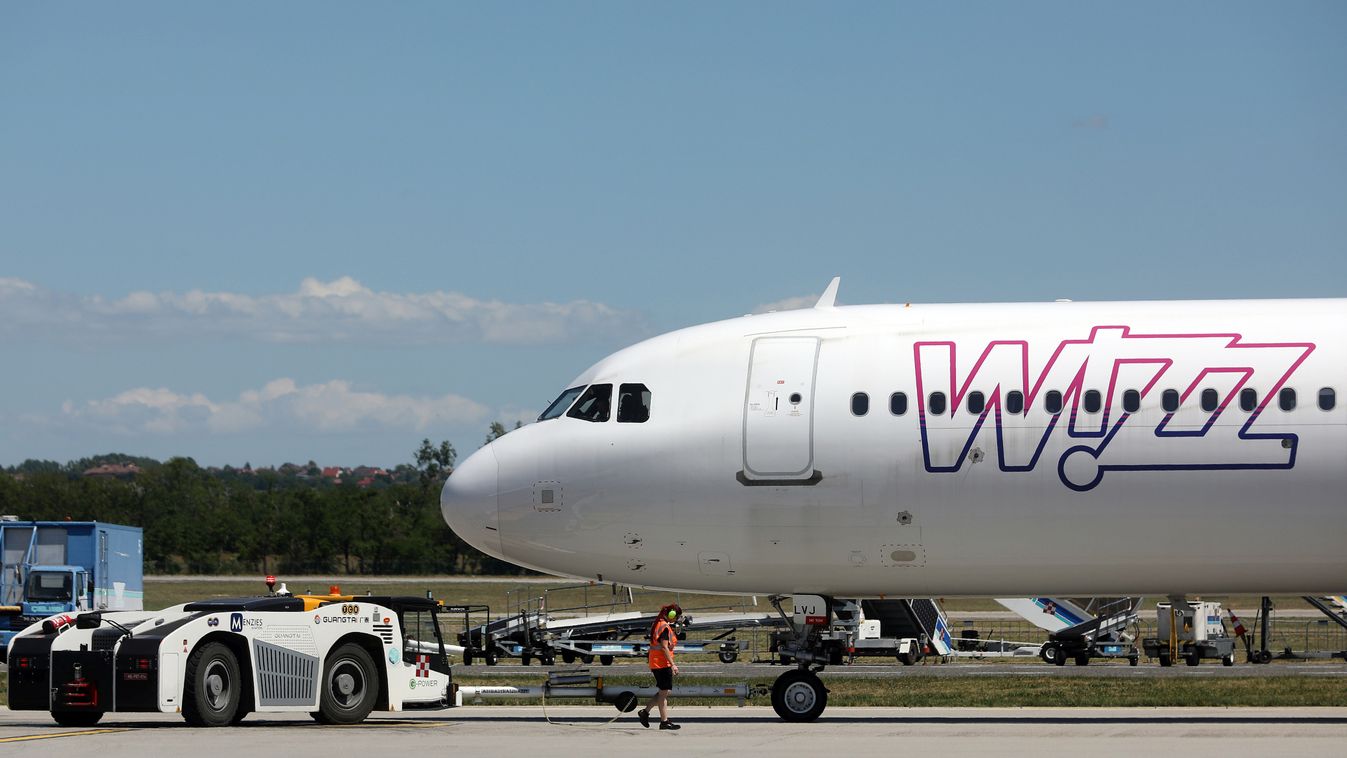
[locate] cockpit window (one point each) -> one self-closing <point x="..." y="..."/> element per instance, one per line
<point x="562" y="402"/>
<point x="595" y="405"/>
<point x="633" y="404"/>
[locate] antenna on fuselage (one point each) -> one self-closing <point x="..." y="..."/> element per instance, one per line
<point x="829" y="297"/>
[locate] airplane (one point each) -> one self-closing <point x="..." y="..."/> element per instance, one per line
<point x="1067" y="449"/>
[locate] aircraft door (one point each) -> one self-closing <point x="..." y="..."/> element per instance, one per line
<point x="779" y="412"/>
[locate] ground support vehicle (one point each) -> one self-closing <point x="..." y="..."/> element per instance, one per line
<point x="335" y="657"/>
<point x="1191" y="631"/>
<point x="52" y="567"/>
<point x="1102" y="633"/>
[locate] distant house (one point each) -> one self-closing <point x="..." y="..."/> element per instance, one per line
<point x="113" y="471"/>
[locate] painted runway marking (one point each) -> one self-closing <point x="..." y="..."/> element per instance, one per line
<point x="85" y="733"/>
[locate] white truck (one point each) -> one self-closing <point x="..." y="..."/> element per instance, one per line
<point x="215" y="661"/>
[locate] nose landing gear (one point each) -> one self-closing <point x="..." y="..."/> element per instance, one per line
<point x="798" y="695"/>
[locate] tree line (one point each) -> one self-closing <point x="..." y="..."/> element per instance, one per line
<point x="244" y="521"/>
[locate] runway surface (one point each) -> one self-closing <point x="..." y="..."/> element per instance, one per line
<point x="506" y="730"/>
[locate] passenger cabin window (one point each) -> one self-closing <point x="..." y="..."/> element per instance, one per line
<point x="1170" y="401"/>
<point x="595" y="405"/>
<point x="1248" y="399"/>
<point x="936" y="403"/>
<point x="1287" y="399"/>
<point x="1327" y="399"/>
<point x="1053" y="402"/>
<point x="633" y="404"/>
<point x="1015" y="402"/>
<point x="976" y="402"/>
<point x="1210" y="399"/>
<point x="562" y="403"/>
<point x="860" y="404"/>
<point x="898" y="403"/>
<point x="1093" y="401"/>
<point x="1131" y="401"/>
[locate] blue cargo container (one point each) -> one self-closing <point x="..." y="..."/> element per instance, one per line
<point x="52" y="567"/>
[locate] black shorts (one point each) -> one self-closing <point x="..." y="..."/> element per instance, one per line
<point x="663" y="678"/>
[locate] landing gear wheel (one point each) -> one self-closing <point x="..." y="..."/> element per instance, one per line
<point x="1082" y="660"/>
<point x="350" y="686"/>
<point x="213" y="686"/>
<point x="606" y="660"/>
<point x="799" y="696"/>
<point x="77" y="718"/>
<point x="1050" y="652"/>
<point x="1193" y="659"/>
<point x="728" y="656"/>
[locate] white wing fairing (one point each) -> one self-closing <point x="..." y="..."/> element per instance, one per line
<point x="1064" y="448"/>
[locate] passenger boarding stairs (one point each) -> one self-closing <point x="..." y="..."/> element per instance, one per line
<point x="916" y="618"/>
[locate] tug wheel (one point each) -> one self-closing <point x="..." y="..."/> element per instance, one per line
<point x="213" y="686"/>
<point x="350" y="686"/>
<point x="77" y="718"/>
<point x="799" y="696"/>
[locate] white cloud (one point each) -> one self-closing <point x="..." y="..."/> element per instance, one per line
<point x="342" y="310"/>
<point x="333" y="406"/>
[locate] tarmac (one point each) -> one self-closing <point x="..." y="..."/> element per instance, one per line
<point x="754" y="730"/>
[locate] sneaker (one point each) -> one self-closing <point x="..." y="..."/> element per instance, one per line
<point x="668" y="725"/>
<point x="644" y="716"/>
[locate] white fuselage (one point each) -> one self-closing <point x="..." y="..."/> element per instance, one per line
<point x="754" y="474"/>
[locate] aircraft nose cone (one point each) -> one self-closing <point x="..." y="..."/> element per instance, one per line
<point x="468" y="501"/>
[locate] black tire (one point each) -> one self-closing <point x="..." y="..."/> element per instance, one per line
<point x="1193" y="659"/>
<point x="1133" y="661"/>
<point x="1082" y="660"/>
<point x="799" y="696"/>
<point x="728" y="656"/>
<point x="606" y="660"/>
<point x="586" y="659"/>
<point x="1165" y="660"/>
<point x="213" y="686"/>
<point x="467" y="657"/>
<point x="77" y="718"/>
<point x="350" y="686"/>
<point x="1049" y="652"/>
<point x="491" y="659"/>
<point x="547" y="660"/>
<point x="1228" y="660"/>
<point x="525" y="659"/>
<point x="567" y="656"/>
<point x="1060" y="659"/>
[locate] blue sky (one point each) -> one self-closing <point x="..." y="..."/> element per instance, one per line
<point x="280" y="231"/>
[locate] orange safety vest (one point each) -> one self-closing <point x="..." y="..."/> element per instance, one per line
<point x="658" y="657"/>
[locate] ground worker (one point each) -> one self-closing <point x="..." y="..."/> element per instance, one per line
<point x="661" y="659"/>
